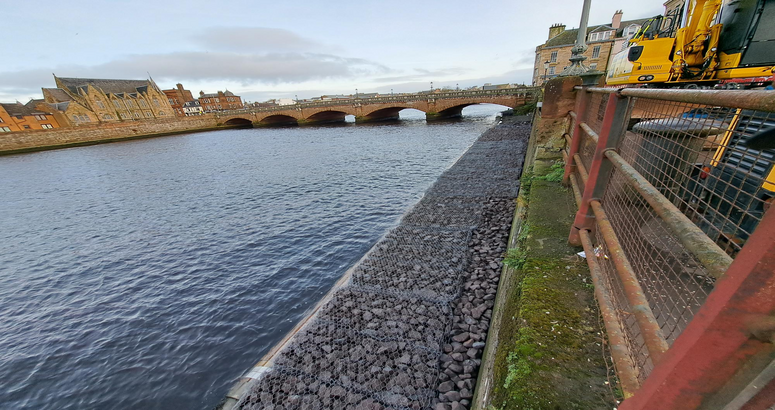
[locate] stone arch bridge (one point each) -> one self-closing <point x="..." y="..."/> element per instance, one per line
<point x="436" y="106"/>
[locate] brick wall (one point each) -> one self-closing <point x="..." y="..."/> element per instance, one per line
<point x="91" y="134"/>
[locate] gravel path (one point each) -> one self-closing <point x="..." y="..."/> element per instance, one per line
<point x="409" y="330"/>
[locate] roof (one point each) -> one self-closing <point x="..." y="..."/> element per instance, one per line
<point x="624" y="25"/>
<point x="34" y="103"/>
<point x="107" y="85"/>
<point x="58" y="94"/>
<point x="568" y="37"/>
<point x="20" y="109"/>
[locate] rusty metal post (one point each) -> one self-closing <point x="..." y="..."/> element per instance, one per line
<point x="734" y="330"/>
<point x="611" y="132"/>
<point x="580" y="110"/>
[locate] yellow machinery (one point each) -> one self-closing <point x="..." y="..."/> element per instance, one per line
<point x="709" y="41"/>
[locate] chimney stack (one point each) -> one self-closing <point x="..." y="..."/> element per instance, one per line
<point x="616" y="21"/>
<point x="555" y="30"/>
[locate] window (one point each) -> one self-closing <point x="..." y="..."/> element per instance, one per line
<point x="156" y="102"/>
<point x="26" y="127"/>
<point x="5" y="129"/>
<point x="596" y="52"/>
<point x="125" y="115"/>
<point x="1" y="121"/>
<point x="606" y="35"/>
<point x="553" y="58"/>
<point x="40" y="117"/>
<point x="148" y="114"/>
<point x="85" y="118"/>
<point x="551" y="70"/>
<point x="215" y="99"/>
<point x="100" y="105"/>
<point x="593" y="66"/>
<point x="47" y="126"/>
<point x="117" y="104"/>
<point x="219" y="106"/>
<point x="107" y="117"/>
<point x="143" y="104"/>
<point x="137" y="115"/>
<point x="130" y="104"/>
<point x="161" y="113"/>
<point x="75" y="118"/>
<point x="593" y="37"/>
<point x="19" y="117"/>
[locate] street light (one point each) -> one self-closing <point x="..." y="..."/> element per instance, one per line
<point x="356" y="93"/>
<point x="457" y="87"/>
<point x="297" y="98"/>
<point x="391" y="91"/>
<point x="546" y="67"/>
<point x="431" y="86"/>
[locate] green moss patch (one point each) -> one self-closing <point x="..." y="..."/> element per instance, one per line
<point x="550" y="353"/>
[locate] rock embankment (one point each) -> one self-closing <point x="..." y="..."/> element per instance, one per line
<point x="409" y="329"/>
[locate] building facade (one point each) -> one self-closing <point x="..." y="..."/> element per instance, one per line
<point x="602" y="40"/>
<point x="19" y="117"/>
<point x="112" y="100"/>
<point x="192" y="108"/>
<point x="220" y="101"/>
<point x="177" y="97"/>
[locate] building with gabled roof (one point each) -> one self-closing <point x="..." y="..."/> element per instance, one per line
<point x="602" y="40"/>
<point x="110" y="99"/>
<point x="20" y="117"/>
<point x="219" y="101"/>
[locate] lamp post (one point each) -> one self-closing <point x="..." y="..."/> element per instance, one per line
<point x="431" y="87"/>
<point x="356" y="93"/>
<point x="391" y="91"/>
<point x="577" y="67"/>
<point x="546" y="68"/>
<point x="297" y="98"/>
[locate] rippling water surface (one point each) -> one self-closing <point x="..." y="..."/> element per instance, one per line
<point x="150" y="274"/>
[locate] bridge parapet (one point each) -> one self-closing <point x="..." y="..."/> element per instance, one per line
<point x="525" y="92"/>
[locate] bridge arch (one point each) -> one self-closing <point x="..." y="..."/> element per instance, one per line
<point x="278" y="120"/>
<point x="327" y="116"/>
<point x="239" y="122"/>
<point x="385" y="113"/>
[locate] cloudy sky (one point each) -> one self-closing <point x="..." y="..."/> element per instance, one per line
<point x="282" y="48"/>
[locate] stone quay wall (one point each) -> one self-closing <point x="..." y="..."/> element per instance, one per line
<point x="17" y="142"/>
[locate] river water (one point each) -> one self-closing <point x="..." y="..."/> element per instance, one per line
<point x="151" y="274"/>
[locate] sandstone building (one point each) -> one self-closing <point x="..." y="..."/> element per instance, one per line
<point x="111" y="100"/>
<point x="603" y="41"/>
<point x="177" y="97"/>
<point x="19" y="117"/>
<point x="219" y="101"/>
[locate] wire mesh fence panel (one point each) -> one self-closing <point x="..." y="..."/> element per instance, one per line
<point x="674" y="281"/>
<point x="636" y="345"/>
<point x="596" y="111"/>
<point x="697" y="158"/>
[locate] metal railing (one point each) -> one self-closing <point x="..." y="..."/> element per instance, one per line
<point x="670" y="199"/>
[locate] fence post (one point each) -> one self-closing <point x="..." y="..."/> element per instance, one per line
<point x="611" y="132"/>
<point x="582" y="100"/>
<point x="730" y="336"/>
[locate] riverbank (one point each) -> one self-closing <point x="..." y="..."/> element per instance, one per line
<point x="422" y="296"/>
